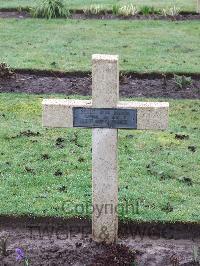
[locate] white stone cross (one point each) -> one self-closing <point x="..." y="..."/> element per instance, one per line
<point x="198" y="6"/>
<point x="105" y="94"/>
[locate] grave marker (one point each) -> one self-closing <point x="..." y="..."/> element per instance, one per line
<point x="198" y="6"/>
<point x="105" y="114"/>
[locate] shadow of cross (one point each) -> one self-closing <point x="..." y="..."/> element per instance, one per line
<point x="105" y="114"/>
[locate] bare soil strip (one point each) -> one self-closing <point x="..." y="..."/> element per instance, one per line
<point x="56" y="241"/>
<point x="14" y="14"/>
<point x="79" y="14"/>
<point x="131" y="85"/>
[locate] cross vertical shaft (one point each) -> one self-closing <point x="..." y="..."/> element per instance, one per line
<point x="198" y="6"/>
<point x="105" y="94"/>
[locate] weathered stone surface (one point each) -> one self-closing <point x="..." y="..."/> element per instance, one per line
<point x="151" y="115"/>
<point x="105" y="185"/>
<point x="59" y="113"/>
<point x="105" y="94"/>
<point x="105" y="81"/>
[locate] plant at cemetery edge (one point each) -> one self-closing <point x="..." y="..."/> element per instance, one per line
<point x="21" y="257"/>
<point x="182" y="82"/>
<point x="129" y="10"/>
<point x="148" y="10"/>
<point x="5" y="71"/>
<point x="51" y="9"/>
<point x="172" y="11"/>
<point x="115" y="9"/>
<point x="3" y="247"/>
<point x="93" y="10"/>
<point x="132" y="10"/>
<point x="196" y="255"/>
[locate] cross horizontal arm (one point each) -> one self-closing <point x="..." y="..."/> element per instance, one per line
<point x="150" y="115"/>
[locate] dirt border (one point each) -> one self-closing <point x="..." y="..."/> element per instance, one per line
<point x="23" y="13"/>
<point x="80" y="11"/>
<point x="167" y="230"/>
<point x="132" y="84"/>
<point x="57" y="241"/>
<point x="142" y="75"/>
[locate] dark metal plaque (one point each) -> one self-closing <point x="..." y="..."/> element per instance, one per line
<point x="104" y="118"/>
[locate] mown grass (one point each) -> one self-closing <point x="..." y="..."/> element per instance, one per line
<point x="185" y="5"/>
<point x="49" y="173"/>
<point x="67" y="45"/>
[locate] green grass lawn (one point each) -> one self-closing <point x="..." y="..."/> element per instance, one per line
<point x="41" y="175"/>
<point x="68" y="44"/>
<point x="189" y="5"/>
